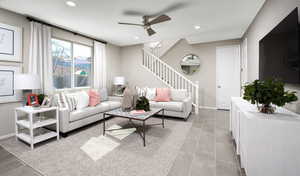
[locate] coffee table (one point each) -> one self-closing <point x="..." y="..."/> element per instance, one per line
<point x="138" y="117"/>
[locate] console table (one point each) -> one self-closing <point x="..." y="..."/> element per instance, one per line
<point x="268" y="144"/>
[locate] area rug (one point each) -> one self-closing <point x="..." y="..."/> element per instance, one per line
<point x="130" y="158"/>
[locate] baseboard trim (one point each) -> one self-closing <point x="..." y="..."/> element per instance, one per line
<point x="207" y="107"/>
<point x="7" y="136"/>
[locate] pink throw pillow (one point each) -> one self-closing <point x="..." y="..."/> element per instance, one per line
<point x="94" y="98"/>
<point x="162" y="95"/>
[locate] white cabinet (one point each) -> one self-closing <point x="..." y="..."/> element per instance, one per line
<point x="268" y="144"/>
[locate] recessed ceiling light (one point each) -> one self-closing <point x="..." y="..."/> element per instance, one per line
<point x="197" y="27"/>
<point x="136" y="37"/>
<point x="71" y="3"/>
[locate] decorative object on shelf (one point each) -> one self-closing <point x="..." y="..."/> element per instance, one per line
<point x="7" y="86"/>
<point x="119" y="86"/>
<point x="129" y="99"/>
<point x="27" y="83"/>
<point x="41" y="98"/>
<point x="267" y="93"/>
<point x="10" y="43"/>
<point x="32" y="100"/>
<point x="47" y="102"/>
<point x="143" y="104"/>
<point x="190" y="64"/>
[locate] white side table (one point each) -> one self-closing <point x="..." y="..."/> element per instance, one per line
<point x="31" y="125"/>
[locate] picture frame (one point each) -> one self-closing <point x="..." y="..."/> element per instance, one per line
<point x="7" y="89"/>
<point x="32" y="100"/>
<point x="10" y="43"/>
<point x="47" y="102"/>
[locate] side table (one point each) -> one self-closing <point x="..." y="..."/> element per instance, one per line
<point x="31" y="125"/>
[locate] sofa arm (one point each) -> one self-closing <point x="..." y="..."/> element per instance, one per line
<point x="64" y="118"/>
<point x="187" y="105"/>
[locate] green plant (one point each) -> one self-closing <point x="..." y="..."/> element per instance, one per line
<point x="142" y="103"/>
<point x="41" y="98"/>
<point x="266" y="93"/>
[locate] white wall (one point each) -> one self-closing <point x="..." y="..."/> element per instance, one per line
<point x="271" y="14"/>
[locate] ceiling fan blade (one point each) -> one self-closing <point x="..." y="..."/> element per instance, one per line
<point x="133" y="13"/>
<point x="160" y="19"/>
<point x="150" y="31"/>
<point x="132" y="24"/>
<point x="171" y="8"/>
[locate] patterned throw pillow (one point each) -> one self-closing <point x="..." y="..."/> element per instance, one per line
<point x="72" y="102"/>
<point x="141" y="91"/>
<point x="59" y="101"/>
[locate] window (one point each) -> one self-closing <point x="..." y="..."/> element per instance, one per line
<point x="72" y="64"/>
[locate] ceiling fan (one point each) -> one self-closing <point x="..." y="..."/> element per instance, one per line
<point x="159" y="17"/>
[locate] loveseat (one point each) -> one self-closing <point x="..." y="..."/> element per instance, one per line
<point x="180" y="104"/>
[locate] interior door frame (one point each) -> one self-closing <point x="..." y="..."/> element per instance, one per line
<point x="244" y="63"/>
<point x="239" y="60"/>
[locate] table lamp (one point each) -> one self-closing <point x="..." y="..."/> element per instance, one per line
<point x="27" y="83"/>
<point x="119" y="85"/>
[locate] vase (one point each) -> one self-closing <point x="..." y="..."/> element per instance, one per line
<point x="267" y="109"/>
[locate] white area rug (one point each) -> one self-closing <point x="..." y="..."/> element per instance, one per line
<point x="120" y="133"/>
<point x="130" y="158"/>
<point x="97" y="147"/>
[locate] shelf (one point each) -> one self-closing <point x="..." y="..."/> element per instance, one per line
<point x="38" y="124"/>
<point x="36" y="139"/>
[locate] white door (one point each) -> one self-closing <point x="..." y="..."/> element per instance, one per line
<point x="227" y="75"/>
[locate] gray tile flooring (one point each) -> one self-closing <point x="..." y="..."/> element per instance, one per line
<point x="207" y="151"/>
<point x="12" y="166"/>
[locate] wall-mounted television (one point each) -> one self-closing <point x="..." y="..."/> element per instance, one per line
<point x="279" y="56"/>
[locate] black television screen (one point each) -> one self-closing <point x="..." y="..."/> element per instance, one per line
<point x="279" y="51"/>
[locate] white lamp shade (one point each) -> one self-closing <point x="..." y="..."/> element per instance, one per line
<point x="119" y="80"/>
<point x="27" y="82"/>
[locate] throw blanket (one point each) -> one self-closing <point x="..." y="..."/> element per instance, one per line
<point x="129" y="99"/>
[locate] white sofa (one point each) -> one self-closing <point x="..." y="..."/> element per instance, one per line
<point x="71" y="120"/>
<point x="180" y="105"/>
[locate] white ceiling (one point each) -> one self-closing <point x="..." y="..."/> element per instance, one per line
<point x="219" y="19"/>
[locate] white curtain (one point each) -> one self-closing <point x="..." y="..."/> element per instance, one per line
<point x="40" y="59"/>
<point x="100" y="65"/>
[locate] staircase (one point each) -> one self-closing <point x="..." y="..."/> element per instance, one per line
<point x="170" y="76"/>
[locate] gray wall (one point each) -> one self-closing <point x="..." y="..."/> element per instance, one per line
<point x="131" y="66"/>
<point x="7" y="17"/>
<point x="7" y="109"/>
<point x="269" y="16"/>
<point x="207" y="71"/>
<point x="137" y="76"/>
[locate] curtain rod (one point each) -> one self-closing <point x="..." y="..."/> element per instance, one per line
<point x="75" y="33"/>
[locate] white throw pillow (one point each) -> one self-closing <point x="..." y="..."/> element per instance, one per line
<point x="151" y="93"/>
<point x="82" y="100"/>
<point x="178" y="94"/>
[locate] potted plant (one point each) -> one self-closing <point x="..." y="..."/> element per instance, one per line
<point x="267" y="93"/>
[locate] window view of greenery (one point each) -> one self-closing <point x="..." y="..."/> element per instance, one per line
<point x="66" y="57"/>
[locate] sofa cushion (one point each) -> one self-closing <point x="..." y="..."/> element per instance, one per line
<point x="112" y="104"/>
<point x="88" y="111"/>
<point x="162" y="95"/>
<point x="103" y="94"/>
<point x="82" y="100"/>
<point x="178" y="94"/>
<point x="169" y="106"/>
